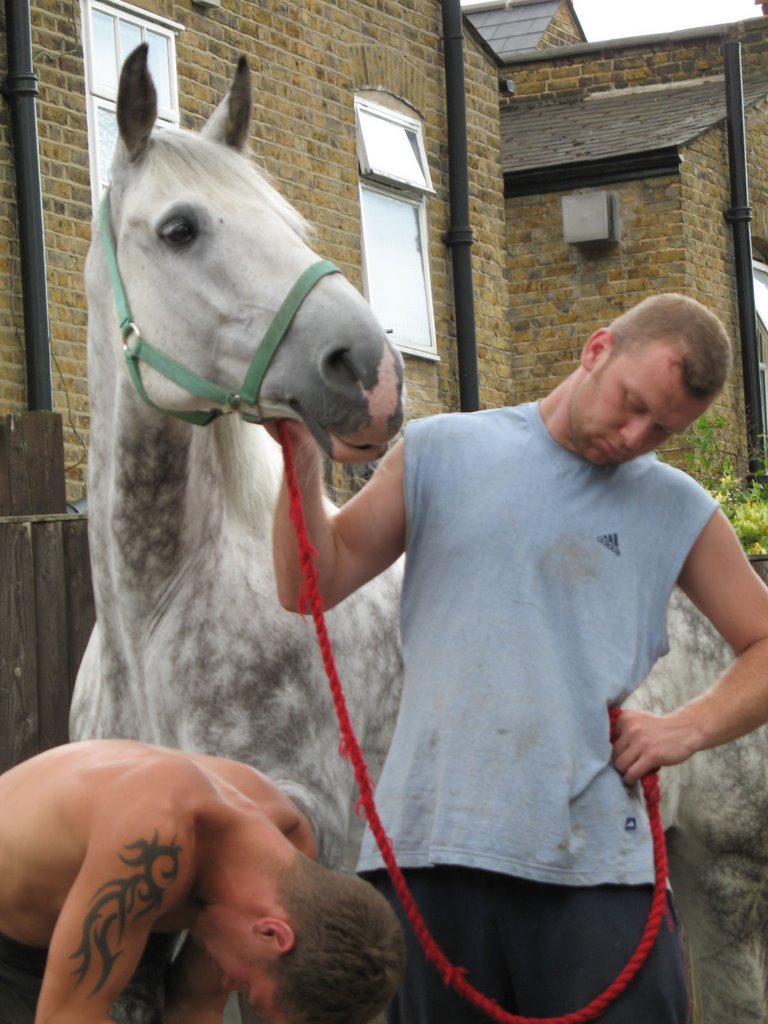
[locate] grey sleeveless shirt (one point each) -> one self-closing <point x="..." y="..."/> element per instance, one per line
<point x="535" y="596"/>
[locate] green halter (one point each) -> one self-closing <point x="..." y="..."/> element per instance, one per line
<point x="135" y="348"/>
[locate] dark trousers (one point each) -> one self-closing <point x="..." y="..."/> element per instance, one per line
<point x="539" y="950"/>
<point x="21" y="976"/>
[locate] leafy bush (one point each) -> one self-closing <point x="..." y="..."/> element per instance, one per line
<point x="744" y="503"/>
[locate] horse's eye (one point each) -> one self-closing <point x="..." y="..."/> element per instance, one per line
<point x="178" y="231"/>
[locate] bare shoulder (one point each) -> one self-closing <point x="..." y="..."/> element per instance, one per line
<point x="76" y="776"/>
<point x="265" y="797"/>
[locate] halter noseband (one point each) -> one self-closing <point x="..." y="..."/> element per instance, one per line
<point x="136" y="349"/>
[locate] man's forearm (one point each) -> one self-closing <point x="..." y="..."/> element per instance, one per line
<point x="734" y="705"/>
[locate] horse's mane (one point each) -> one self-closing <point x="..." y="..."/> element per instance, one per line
<point x="251" y="467"/>
<point x="192" y="161"/>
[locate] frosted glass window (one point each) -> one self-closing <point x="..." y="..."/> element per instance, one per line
<point x="106" y="142"/>
<point x="395" y="267"/>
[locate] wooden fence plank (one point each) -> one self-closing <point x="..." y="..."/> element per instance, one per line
<point x="46" y="616"/>
<point x="18" y="647"/>
<point x="32" y="464"/>
<point x="52" y="641"/>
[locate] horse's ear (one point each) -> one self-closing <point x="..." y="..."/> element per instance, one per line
<point x="136" y="103"/>
<point x="231" y="121"/>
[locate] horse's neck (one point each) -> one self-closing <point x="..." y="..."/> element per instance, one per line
<point x="163" y="494"/>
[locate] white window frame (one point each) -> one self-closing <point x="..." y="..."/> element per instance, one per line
<point x="100" y="97"/>
<point x="378" y="176"/>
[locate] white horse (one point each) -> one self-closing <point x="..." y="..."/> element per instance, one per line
<point x="191" y="648"/>
<point x="715" y="813"/>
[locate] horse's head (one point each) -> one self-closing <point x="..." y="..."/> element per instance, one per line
<point x="207" y="251"/>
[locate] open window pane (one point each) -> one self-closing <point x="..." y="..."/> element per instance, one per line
<point x="390" y="148"/>
<point x="396" y="269"/>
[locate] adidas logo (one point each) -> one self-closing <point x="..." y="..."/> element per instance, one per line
<point x="610" y="541"/>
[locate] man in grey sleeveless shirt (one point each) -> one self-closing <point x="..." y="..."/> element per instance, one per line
<point x="543" y="543"/>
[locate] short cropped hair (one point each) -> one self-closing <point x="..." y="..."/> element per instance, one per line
<point x="694" y="330"/>
<point x="348" y="958"/>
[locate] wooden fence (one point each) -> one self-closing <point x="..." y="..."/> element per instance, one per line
<point x="46" y="599"/>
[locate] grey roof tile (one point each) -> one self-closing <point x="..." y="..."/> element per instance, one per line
<point x="516" y="28"/>
<point x="619" y="123"/>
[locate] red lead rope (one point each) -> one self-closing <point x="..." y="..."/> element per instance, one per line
<point x="350" y="748"/>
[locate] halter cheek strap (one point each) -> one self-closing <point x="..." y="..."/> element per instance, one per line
<point x="137" y="350"/>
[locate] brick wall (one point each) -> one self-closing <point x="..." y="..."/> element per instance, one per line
<point x="561" y="30"/>
<point x="757" y="150"/>
<point x="491" y="289"/>
<point x="576" y="71"/>
<point x="560" y="293"/>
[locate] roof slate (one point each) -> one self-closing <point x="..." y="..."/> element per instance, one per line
<point x="512" y="29"/>
<point x="617" y="123"/>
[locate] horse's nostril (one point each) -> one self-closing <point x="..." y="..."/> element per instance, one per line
<point x="339" y="365"/>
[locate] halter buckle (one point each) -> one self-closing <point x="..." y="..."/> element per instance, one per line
<point x="131" y="333"/>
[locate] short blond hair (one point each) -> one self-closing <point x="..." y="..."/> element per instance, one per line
<point x="699" y="335"/>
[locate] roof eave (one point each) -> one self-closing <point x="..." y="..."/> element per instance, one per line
<point x="592" y="173"/>
<point x="725" y="31"/>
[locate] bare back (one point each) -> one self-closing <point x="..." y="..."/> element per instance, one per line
<point x="60" y="803"/>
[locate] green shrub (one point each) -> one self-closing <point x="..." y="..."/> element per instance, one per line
<point x="744" y="503"/>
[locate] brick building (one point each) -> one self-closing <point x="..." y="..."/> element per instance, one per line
<point x="616" y="178"/>
<point x="325" y="75"/>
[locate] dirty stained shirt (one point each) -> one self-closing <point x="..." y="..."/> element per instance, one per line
<point x="534" y="599"/>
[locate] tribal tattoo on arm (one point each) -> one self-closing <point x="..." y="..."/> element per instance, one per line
<point x="121" y="900"/>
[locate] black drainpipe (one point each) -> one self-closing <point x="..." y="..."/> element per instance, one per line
<point x="739" y="216"/>
<point x="20" y="90"/>
<point x="458" y="237"/>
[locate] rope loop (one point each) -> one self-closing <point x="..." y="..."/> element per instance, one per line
<point x="451" y="974"/>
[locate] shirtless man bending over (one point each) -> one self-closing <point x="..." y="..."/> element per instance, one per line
<point x="106" y="841"/>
